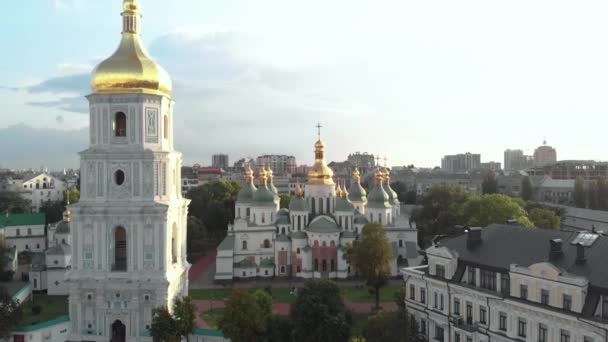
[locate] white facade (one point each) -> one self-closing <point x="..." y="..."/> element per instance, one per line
<point x="307" y="239"/>
<point x="129" y="227"/>
<point x="42" y="188"/>
<point x="453" y="299"/>
<point x="26" y="232"/>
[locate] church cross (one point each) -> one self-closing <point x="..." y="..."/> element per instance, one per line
<point x="319" y="130"/>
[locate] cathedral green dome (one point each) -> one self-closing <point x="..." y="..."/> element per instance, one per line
<point x="378" y="198"/>
<point x="263" y="196"/>
<point x="246" y="193"/>
<point x="357" y="193"/>
<point x="344" y="205"/>
<point x="298" y="204"/>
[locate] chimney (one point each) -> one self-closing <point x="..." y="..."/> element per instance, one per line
<point x="555" y="250"/>
<point x="473" y="237"/>
<point x="580" y="254"/>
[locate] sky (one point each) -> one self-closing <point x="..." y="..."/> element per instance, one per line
<point x="408" y="80"/>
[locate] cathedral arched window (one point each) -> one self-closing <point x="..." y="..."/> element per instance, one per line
<point x="313" y="205"/>
<point x="120" y="124"/>
<point x="263" y="217"/>
<point x="324" y="265"/>
<point x="320" y="206"/>
<point x="247" y="212"/>
<point x="332" y="265"/>
<point x="299" y="222"/>
<point x="244" y="245"/>
<point x="166" y="127"/>
<point x="323" y="244"/>
<point x="120" y="249"/>
<point x="328" y="210"/>
<point x="266" y="243"/>
<point x="316" y="264"/>
<point x="174" y="244"/>
<point x="298" y="251"/>
<point x="332" y="243"/>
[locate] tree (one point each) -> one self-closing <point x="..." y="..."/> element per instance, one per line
<point x="410" y="197"/>
<point x="285" y="199"/>
<point x="197" y="238"/>
<point x="490" y="183"/>
<point x="213" y="204"/>
<point x="544" y="218"/>
<point x="495" y="208"/>
<point x="593" y="194"/>
<point x="371" y="256"/>
<point x="279" y="329"/>
<point x="73" y="195"/>
<point x="319" y="313"/>
<point x="172" y="328"/>
<point x="246" y="315"/>
<point x="10" y="313"/>
<point x="163" y="328"/>
<point x="390" y="327"/>
<point x="12" y="202"/>
<point x="441" y="209"/>
<point x="580" y="196"/>
<point x="526" y="188"/>
<point x="602" y="193"/>
<point x="401" y="189"/>
<point x="53" y="210"/>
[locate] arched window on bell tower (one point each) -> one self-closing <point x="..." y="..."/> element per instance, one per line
<point x="120" y="124"/>
<point x="120" y="249"/>
<point x="174" y="244"/>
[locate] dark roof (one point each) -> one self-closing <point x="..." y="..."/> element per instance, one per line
<point x="503" y="245"/>
<point x="323" y="224"/>
<point x="63" y="227"/>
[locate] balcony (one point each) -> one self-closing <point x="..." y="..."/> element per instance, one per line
<point x="465" y="324"/>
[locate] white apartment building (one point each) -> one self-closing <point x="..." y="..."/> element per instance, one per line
<point x="40" y="189"/>
<point x="508" y="283"/>
<point x="24" y="231"/>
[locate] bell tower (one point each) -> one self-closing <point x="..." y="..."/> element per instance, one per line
<point x="129" y="228"/>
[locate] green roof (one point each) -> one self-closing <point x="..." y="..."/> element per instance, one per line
<point x="378" y="198"/>
<point x="343" y="205"/>
<point x="227" y="244"/>
<point x="245" y="263"/>
<point x="361" y="219"/>
<point x="208" y="332"/>
<point x="298" y="235"/>
<point x="323" y="224"/>
<point x="269" y="262"/>
<point x="63" y="227"/>
<point x="22" y="220"/>
<point x="298" y="204"/>
<point x="246" y="193"/>
<point x="357" y="193"/>
<point x="38" y="326"/>
<point x="282" y="220"/>
<point x="263" y="196"/>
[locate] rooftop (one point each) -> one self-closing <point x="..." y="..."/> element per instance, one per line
<point x="22" y="220"/>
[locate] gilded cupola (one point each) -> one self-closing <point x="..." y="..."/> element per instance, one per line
<point x="320" y="173"/>
<point x="130" y="69"/>
<point x="246" y="193"/>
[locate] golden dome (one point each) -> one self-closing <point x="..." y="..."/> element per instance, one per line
<point x="130" y="69"/>
<point x="320" y="173"/>
<point x="248" y="175"/>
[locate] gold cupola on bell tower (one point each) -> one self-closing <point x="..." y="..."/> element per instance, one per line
<point x="130" y="69"/>
<point x="320" y="173"/>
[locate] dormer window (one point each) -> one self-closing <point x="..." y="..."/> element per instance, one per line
<point x="440" y="271"/>
<point x="120" y="124"/>
<point x="567" y="299"/>
<point x="544" y="297"/>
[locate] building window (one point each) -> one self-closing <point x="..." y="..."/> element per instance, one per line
<point x="456" y="337"/>
<point x="469" y="313"/>
<point x="564" y="336"/>
<point x="567" y="302"/>
<point x="542" y="333"/>
<point x="282" y="269"/>
<point x="120" y="249"/>
<point x="439" y="333"/>
<point x="423" y="326"/>
<point x="469" y="339"/>
<point x="587" y="339"/>
<point x="457" y="306"/>
<point x="523" y="291"/>
<point x="166" y="127"/>
<point x="119" y="177"/>
<point x="266" y="243"/>
<point x="471" y="275"/>
<point x="605" y="307"/>
<point x="316" y="264"/>
<point x="29" y="231"/>
<point x="332" y="265"/>
<point x="412" y="292"/>
<point x="482" y="314"/>
<point x="298" y="269"/>
<point x="27" y="247"/>
<point x="441" y="302"/>
<point x="488" y="280"/>
<point x="422" y="295"/>
<point x="502" y="321"/>
<point x="521" y="327"/>
<point x="120" y="124"/>
<point x="174" y="244"/>
<point x="440" y="271"/>
<point x="435" y="302"/>
<point x="18" y="232"/>
<point x="505" y="284"/>
<point x="324" y="265"/>
<point x="544" y="297"/>
<point x="244" y="245"/>
<point x="298" y="251"/>
<point x="400" y="243"/>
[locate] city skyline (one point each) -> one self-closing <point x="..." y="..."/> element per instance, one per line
<point x="423" y="82"/>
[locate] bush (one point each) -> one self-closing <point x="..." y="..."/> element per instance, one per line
<point x="36" y="310"/>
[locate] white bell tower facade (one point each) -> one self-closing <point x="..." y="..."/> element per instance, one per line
<point x="129" y="228"/>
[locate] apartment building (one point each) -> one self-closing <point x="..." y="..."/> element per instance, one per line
<point x="508" y="283"/>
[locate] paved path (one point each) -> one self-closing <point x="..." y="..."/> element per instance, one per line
<point x="282" y="308"/>
<point x="201" y="265"/>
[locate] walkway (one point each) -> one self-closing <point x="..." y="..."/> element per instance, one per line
<point x="201" y="265"/>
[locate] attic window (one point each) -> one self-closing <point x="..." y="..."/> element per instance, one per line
<point x="584" y="238"/>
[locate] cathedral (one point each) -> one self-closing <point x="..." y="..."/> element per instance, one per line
<point x="307" y="239"/>
<point x="129" y="228"/>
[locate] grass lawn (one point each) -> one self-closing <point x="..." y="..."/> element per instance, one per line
<point x="212" y="317"/>
<point x="362" y="295"/>
<point x="52" y="307"/>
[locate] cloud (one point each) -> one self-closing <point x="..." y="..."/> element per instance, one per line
<point x="78" y="83"/>
<point x="76" y="104"/>
<point x="63" y="5"/>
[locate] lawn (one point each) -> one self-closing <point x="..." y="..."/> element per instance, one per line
<point x="51" y="308"/>
<point x="212" y="317"/>
<point x="283" y="294"/>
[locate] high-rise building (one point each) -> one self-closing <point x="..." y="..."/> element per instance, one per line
<point x="492" y="166"/>
<point x="280" y="164"/>
<point x="220" y="161"/>
<point x="362" y="161"/>
<point x="544" y="155"/>
<point x="129" y="227"/>
<point x="515" y="160"/>
<point x="461" y="162"/>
